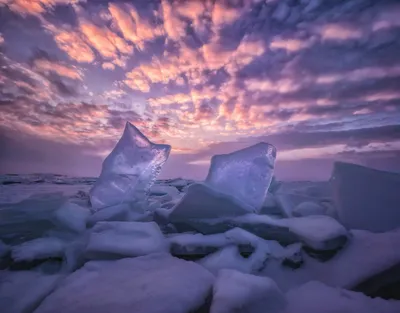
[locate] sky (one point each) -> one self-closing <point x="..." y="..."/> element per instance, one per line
<point x="318" y="79"/>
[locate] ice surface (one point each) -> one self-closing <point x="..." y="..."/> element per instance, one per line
<point x="116" y="239"/>
<point x="366" y="255"/>
<point x="40" y="248"/>
<point x="366" y="198"/>
<point x="28" y="219"/>
<point x="315" y="297"/>
<point x="203" y="201"/>
<point x="72" y="217"/>
<point x="245" y="174"/>
<point x="234" y="291"/>
<point x="157" y="283"/>
<point x="129" y="170"/>
<point x="22" y="291"/>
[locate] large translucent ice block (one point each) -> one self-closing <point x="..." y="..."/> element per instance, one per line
<point x="129" y="170"/>
<point x="245" y="174"/>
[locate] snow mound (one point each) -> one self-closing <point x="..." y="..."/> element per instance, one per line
<point x="244" y="174"/>
<point x="156" y="283"/>
<point x="125" y="239"/>
<point x="234" y="291"/>
<point x="129" y="170"/>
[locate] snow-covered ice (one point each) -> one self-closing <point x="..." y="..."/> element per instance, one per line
<point x="244" y="174"/>
<point x="366" y="198"/>
<point x="316" y="232"/>
<point x="125" y="239"/>
<point x="40" y="248"/>
<point x="365" y="255"/>
<point x="315" y="297"/>
<point x="308" y="208"/>
<point x="72" y="217"/>
<point x="234" y="291"/>
<point x="22" y="291"/>
<point x="129" y="170"/>
<point x="119" y="212"/>
<point x="156" y="283"/>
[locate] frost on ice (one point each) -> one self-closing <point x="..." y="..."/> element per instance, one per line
<point x="129" y="170"/>
<point x="245" y="174"/>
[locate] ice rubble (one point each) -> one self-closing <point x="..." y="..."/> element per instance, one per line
<point x="156" y="283"/>
<point x="235" y="229"/>
<point x="129" y="170"/>
<point x="244" y="174"/>
<point x="234" y="291"/>
<point x="366" y="198"/>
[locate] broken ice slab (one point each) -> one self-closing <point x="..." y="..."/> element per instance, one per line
<point x="320" y="233"/>
<point x="203" y="201"/>
<point x="129" y="170"/>
<point x="110" y="240"/>
<point x="244" y="174"/>
<point x="234" y="291"/>
<point x="366" y="198"/>
<point x="157" y="283"/>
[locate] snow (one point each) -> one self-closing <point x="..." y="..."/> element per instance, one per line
<point x="156" y="283"/>
<point x="40" y="248"/>
<point x="129" y="170"/>
<point x="72" y="217"/>
<point x="203" y="201"/>
<point x="117" y="239"/>
<point x="234" y="291"/>
<point x="315" y="297"/>
<point x="244" y="174"/>
<point x="22" y="291"/>
<point x="366" y="198"/>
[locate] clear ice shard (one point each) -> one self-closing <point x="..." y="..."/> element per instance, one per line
<point x="129" y="170"/>
<point x="245" y="174"/>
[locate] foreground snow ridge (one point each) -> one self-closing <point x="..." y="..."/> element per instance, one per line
<point x="238" y="242"/>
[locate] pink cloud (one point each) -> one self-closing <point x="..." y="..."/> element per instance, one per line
<point x="46" y="66"/>
<point x="132" y="26"/>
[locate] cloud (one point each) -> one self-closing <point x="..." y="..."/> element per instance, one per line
<point x="45" y="67"/>
<point x="108" y="66"/>
<point x="339" y="32"/>
<point x="132" y="26"/>
<point x="72" y="43"/>
<point x="34" y="7"/>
